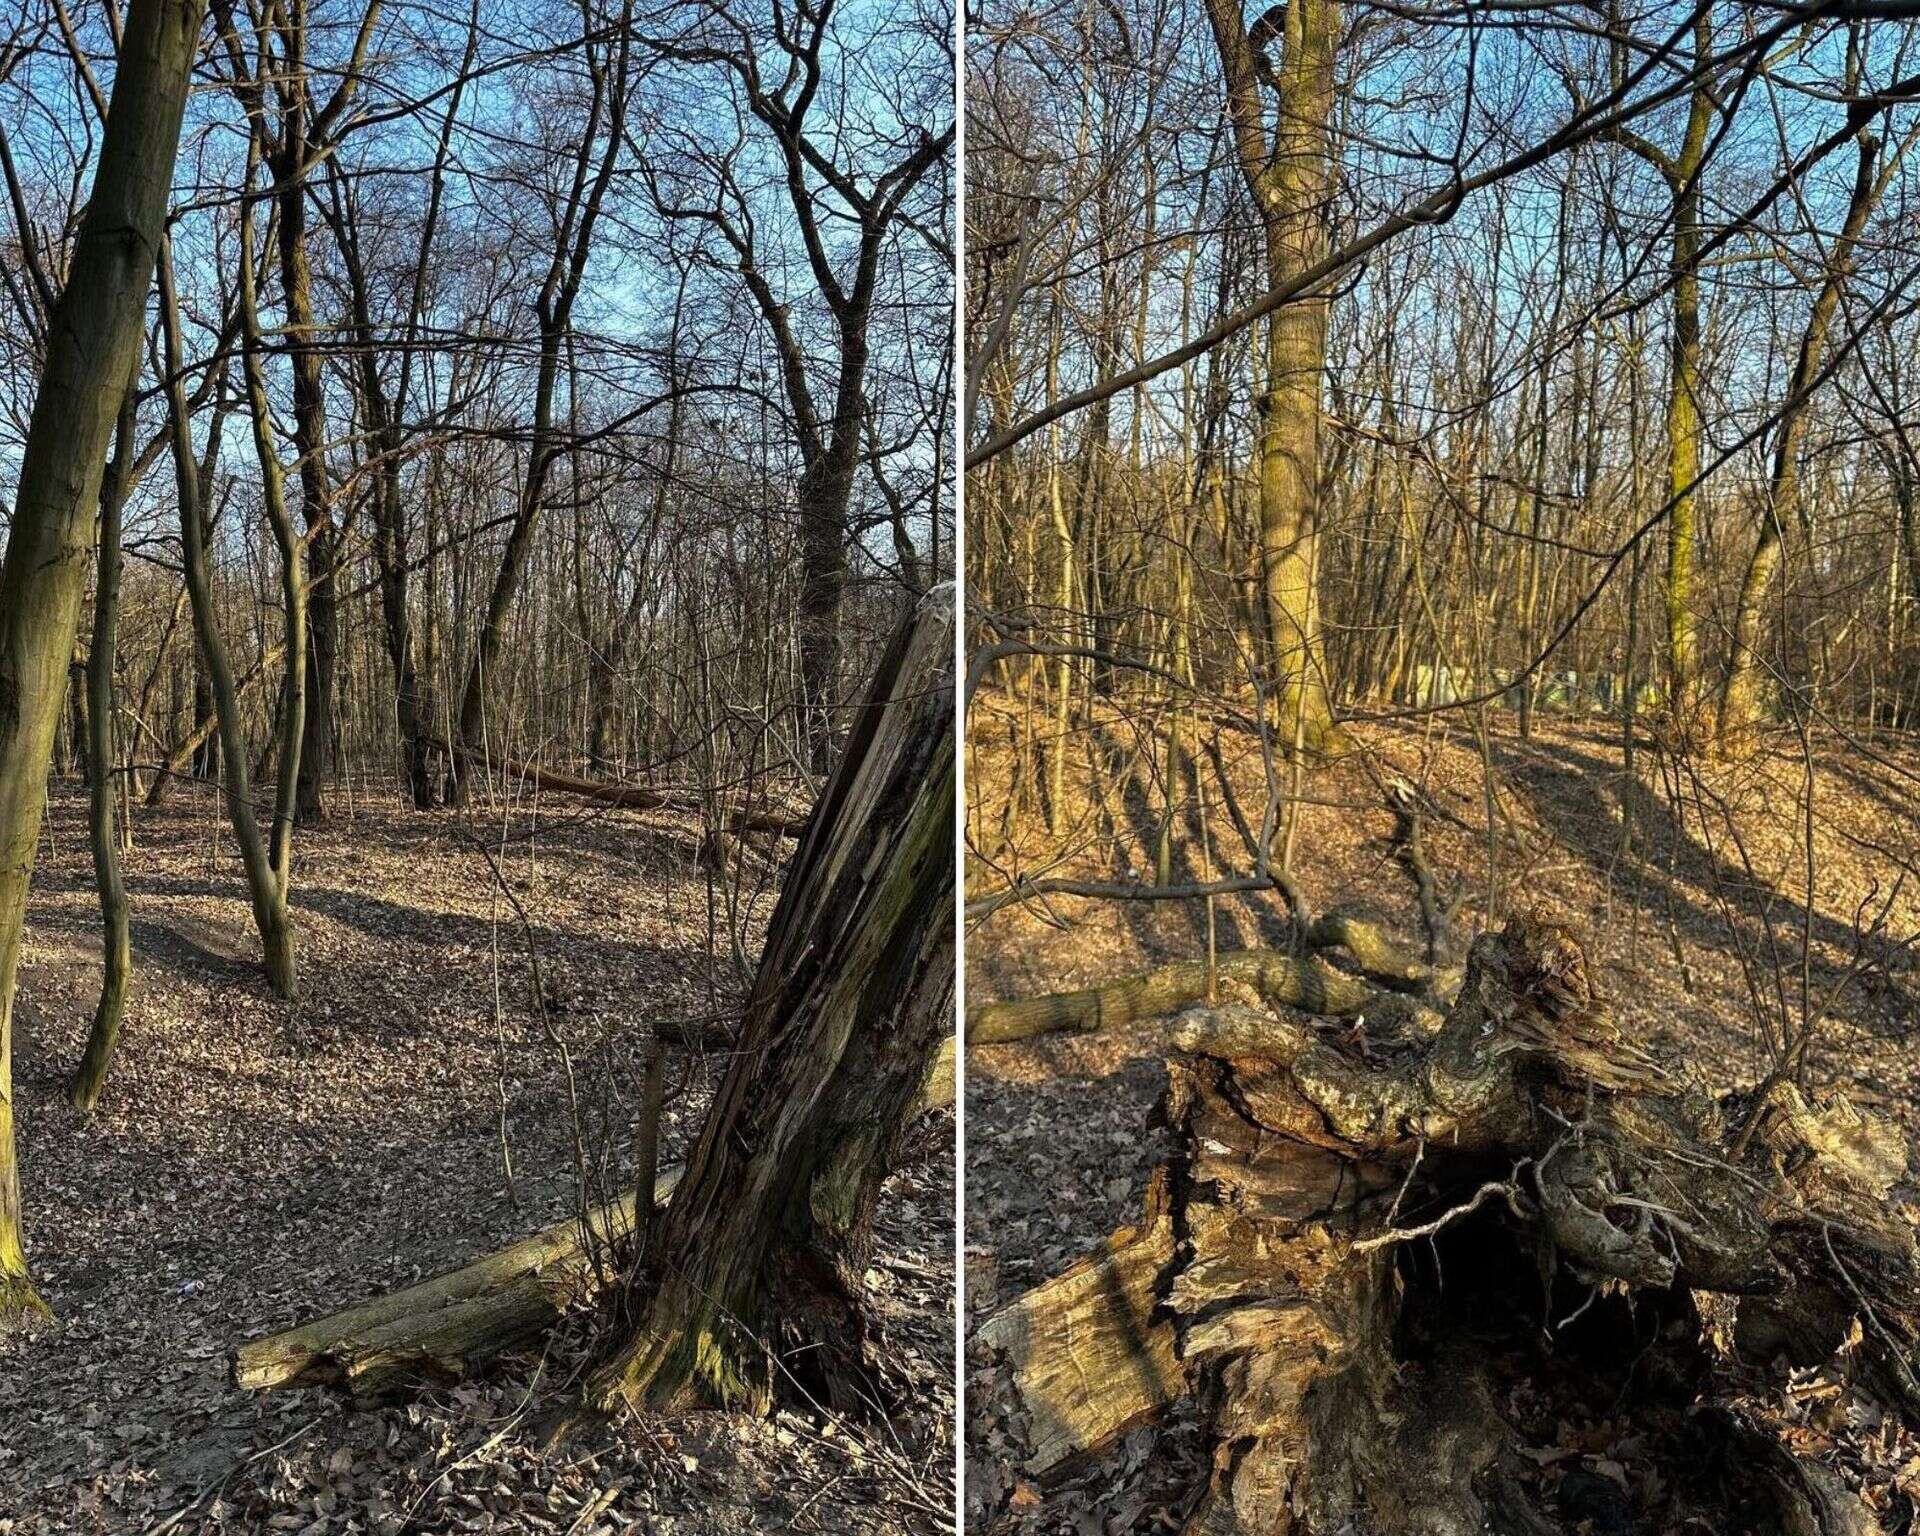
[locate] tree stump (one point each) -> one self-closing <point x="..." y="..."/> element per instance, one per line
<point x="1365" y="1254"/>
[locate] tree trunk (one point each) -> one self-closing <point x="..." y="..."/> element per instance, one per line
<point x="826" y="492"/>
<point x="1684" y="424"/>
<point x="93" y="349"/>
<point x="765" y="1243"/>
<point x="117" y="952"/>
<point x="265" y="869"/>
<point x="448" y="1326"/>
<point x="1290" y="175"/>
<point x="289" y="168"/>
<point x="1739" y="711"/>
<point x="1348" y="1263"/>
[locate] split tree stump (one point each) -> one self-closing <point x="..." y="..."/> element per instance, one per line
<point x="1358" y="1244"/>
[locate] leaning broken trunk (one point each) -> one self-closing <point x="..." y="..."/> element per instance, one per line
<point x="1371" y="1260"/>
<point x="757" y="1266"/>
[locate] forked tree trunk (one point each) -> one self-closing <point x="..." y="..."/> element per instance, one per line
<point x="266" y="866"/>
<point x="1363" y="1261"/>
<point x="1740" y="696"/>
<point x="766" y="1241"/>
<point x="93" y="348"/>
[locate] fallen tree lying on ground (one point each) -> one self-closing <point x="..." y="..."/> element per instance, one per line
<point x="845" y="1042"/>
<point x="780" y="820"/>
<point x="454" y="1323"/>
<point x="1373" y="1255"/>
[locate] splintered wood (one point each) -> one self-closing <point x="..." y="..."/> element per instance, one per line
<point x="1284" y="1277"/>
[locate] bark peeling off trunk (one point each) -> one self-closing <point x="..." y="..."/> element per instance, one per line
<point x="1359" y="1252"/>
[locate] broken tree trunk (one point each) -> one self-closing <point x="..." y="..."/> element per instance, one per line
<point x="445" y="1326"/>
<point x="761" y="1255"/>
<point x="641" y="797"/>
<point x="1369" y="1271"/>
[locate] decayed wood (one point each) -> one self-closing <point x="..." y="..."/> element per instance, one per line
<point x="1305" y="983"/>
<point x="770" y="1235"/>
<point x="1271" y="1279"/>
<point x="1099" y="1322"/>
<point x="446" y="1325"/>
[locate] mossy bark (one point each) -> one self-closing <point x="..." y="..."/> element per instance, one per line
<point x="766" y="1241"/>
<point x="1289" y="171"/>
<point x="93" y="348"/>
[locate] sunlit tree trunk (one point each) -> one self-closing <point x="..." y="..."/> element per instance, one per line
<point x="1739" y="710"/>
<point x="93" y="347"/>
<point x="267" y="868"/>
<point x="1289" y="171"/>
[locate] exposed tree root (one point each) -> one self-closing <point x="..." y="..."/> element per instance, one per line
<point x="1352" y="1255"/>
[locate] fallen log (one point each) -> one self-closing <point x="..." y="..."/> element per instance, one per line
<point x="639" y="797"/>
<point x="1305" y="983"/>
<point x="1381" y="1277"/>
<point x="445" y="1326"/>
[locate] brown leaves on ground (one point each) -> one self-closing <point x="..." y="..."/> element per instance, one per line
<point x="1687" y="888"/>
<point x="252" y="1166"/>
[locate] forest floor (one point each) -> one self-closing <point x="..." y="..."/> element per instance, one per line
<point x="1686" y="933"/>
<point x="252" y="1166"/>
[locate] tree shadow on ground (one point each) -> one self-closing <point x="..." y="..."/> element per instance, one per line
<point x="1562" y="782"/>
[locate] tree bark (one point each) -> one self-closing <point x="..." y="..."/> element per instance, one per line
<point x="116" y="947"/>
<point x="1739" y="711"/>
<point x="93" y="348"/>
<point x="765" y="1243"/>
<point x="457" y="1321"/>
<point x="1289" y="171"/>
<point x="265" y="867"/>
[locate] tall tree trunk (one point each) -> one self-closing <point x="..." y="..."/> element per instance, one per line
<point x="771" y="1226"/>
<point x="310" y="448"/>
<point x="265" y="870"/>
<point x="93" y="347"/>
<point x="117" y="952"/>
<point x="1739" y="709"/>
<point x="1290" y="175"/>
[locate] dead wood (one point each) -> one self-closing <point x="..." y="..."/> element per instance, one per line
<point x="784" y="822"/>
<point x="449" y="1325"/>
<point x="1306" y="984"/>
<point x="1355" y="1244"/>
<point x="445" y="1326"/>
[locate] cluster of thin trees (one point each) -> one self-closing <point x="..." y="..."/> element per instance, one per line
<point x="1372" y="359"/>
<point x="556" y="389"/>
